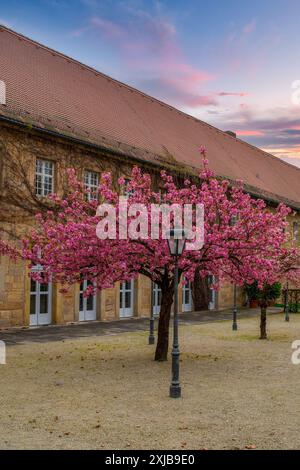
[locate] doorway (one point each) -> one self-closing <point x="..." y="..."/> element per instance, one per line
<point x="87" y="305"/>
<point x="126" y="298"/>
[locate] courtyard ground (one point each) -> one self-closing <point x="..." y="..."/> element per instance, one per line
<point x="106" y="392"/>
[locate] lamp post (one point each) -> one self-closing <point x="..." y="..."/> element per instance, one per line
<point x="286" y="302"/>
<point x="233" y="221"/>
<point x="234" y="310"/>
<point x="176" y="243"/>
<point x="151" y="325"/>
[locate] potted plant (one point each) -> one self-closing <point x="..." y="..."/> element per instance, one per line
<point x="252" y="293"/>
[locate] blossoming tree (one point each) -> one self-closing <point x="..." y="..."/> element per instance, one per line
<point x="286" y="268"/>
<point x="66" y="245"/>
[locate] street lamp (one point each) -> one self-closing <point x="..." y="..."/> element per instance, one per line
<point x="286" y="302"/>
<point x="151" y="326"/>
<point x="234" y="310"/>
<point x="233" y="221"/>
<point x="176" y="243"/>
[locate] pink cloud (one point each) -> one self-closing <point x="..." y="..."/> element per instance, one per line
<point x="289" y="154"/>
<point x="249" y="27"/>
<point x="151" y="55"/>
<point x="249" y="132"/>
<point x="112" y="30"/>
<point x="177" y="92"/>
<point x="225" y="93"/>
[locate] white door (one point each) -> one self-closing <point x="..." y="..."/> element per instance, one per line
<point x="156" y="299"/>
<point x="126" y="298"/>
<point x="87" y="305"/>
<point x="40" y="303"/>
<point x="212" y="294"/>
<point x="186" y="296"/>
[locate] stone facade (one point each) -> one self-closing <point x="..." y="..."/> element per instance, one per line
<point x="19" y="149"/>
<point x="22" y="148"/>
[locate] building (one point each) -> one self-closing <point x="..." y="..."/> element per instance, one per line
<point x="57" y="113"/>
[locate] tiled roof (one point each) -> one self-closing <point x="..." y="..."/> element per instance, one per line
<point x="55" y="92"/>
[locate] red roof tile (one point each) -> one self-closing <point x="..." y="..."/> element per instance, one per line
<point x="55" y="91"/>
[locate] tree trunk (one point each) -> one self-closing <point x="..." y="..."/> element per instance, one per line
<point x="162" y="345"/>
<point x="200" y="292"/>
<point x="263" y="320"/>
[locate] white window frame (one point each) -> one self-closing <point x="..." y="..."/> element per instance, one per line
<point x="2" y="92"/>
<point x="186" y="288"/>
<point x="212" y="303"/>
<point x="296" y="231"/>
<point x="128" y="193"/>
<point x="91" y="182"/>
<point x="44" y="176"/>
<point x="38" y="318"/>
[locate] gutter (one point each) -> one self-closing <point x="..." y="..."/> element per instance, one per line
<point x="158" y="166"/>
<point x="75" y="140"/>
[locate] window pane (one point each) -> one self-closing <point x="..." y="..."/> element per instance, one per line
<point x="43" y="287"/>
<point x="47" y="185"/>
<point x="38" y="185"/>
<point x="48" y="168"/>
<point x="39" y="166"/>
<point x="81" y="302"/>
<point x="90" y="303"/>
<point x="296" y="231"/>
<point x="32" y="305"/>
<point x="32" y="285"/>
<point x="44" y="303"/>
<point x="127" y="299"/>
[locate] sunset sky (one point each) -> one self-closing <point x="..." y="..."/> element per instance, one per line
<point x="232" y="63"/>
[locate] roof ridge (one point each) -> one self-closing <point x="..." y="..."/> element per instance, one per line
<point x="145" y="95"/>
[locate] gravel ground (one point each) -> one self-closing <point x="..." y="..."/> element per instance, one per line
<point x="106" y="392"/>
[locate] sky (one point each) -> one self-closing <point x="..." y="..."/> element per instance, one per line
<point x="231" y="63"/>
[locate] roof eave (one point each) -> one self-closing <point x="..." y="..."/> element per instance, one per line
<point x="274" y="199"/>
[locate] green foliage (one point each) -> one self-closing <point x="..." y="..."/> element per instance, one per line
<point x="252" y="291"/>
<point x="267" y="292"/>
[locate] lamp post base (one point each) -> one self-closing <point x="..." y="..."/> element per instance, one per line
<point x="287" y="318"/>
<point x="234" y="327"/>
<point x="175" y="391"/>
<point x="151" y="332"/>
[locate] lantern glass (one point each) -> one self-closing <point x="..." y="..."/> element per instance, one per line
<point x="176" y="241"/>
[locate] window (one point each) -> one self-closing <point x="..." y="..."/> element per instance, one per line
<point x="44" y="177"/>
<point x="2" y="92"/>
<point x="162" y="192"/>
<point x="296" y="231"/>
<point x="91" y="182"/>
<point x="128" y="193"/>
